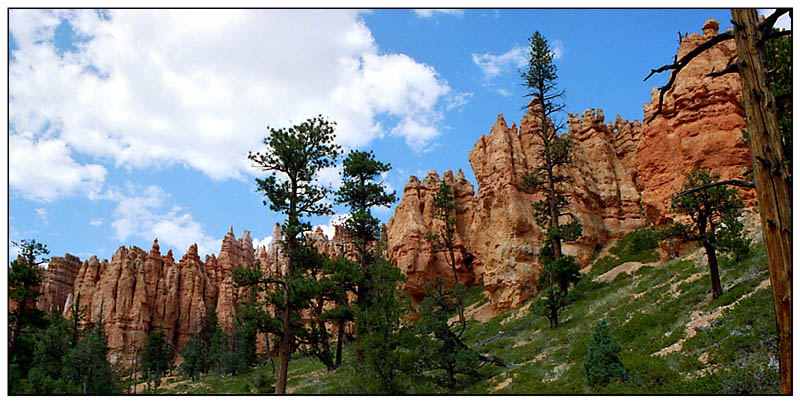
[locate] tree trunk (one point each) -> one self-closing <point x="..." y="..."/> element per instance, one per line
<point x="711" y="253"/>
<point x="15" y="335"/>
<point x="285" y="345"/>
<point x="339" y="341"/>
<point x="284" y="350"/>
<point x="772" y="186"/>
<point x="553" y="322"/>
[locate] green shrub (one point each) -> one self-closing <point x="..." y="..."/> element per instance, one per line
<point x="262" y="381"/>
<point x="601" y="362"/>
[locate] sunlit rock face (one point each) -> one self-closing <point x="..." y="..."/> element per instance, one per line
<point x="700" y="127"/>
<point x="408" y="247"/>
<point x="621" y="177"/>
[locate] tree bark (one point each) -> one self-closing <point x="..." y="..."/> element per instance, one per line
<point x="711" y="253"/>
<point x="285" y="345"/>
<point x="339" y="340"/>
<point x="772" y="186"/>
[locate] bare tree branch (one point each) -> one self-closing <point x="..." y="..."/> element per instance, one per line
<point x="730" y="68"/>
<point x="734" y="182"/>
<point x="678" y="65"/>
<point x="766" y="26"/>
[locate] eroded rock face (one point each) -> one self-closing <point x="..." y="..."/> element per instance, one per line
<point x="622" y="177"/>
<point x="57" y="282"/>
<point x="700" y="127"/>
<point x="600" y="181"/>
<point x="139" y="292"/>
<point x="503" y="234"/>
<point x="408" y="248"/>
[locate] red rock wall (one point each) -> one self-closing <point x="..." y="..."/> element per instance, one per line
<point x="57" y="282"/>
<point x="622" y="177"/>
<point x="406" y="231"/>
<point x="700" y="127"/>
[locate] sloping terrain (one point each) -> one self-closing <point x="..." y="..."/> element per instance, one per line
<point x="675" y="338"/>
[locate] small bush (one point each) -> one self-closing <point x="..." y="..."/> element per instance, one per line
<point x="601" y="362"/>
<point x="262" y="381"/>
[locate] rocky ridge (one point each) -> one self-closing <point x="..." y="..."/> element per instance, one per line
<point x="621" y="178"/>
<point x="138" y="292"/>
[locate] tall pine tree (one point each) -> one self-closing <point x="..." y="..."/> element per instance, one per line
<point x="293" y="160"/>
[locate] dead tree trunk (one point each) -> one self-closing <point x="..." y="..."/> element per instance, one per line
<point x="772" y="186"/>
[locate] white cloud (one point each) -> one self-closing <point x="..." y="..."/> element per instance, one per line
<point x="459" y="100"/>
<point x="783" y="22"/>
<point x="429" y="12"/>
<point x="143" y="212"/>
<point x="199" y="87"/>
<point x="262" y="242"/>
<point x="42" y="213"/>
<point x="493" y="65"/>
<point x="328" y="229"/>
<point x="43" y="169"/>
<point x="96" y="223"/>
<point x="557" y="47"/>
<point x="504" y="92"/>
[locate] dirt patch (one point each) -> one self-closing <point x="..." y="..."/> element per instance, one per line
<point x="627" y="267"/>
<point x="673" y="288"/>
<point x="522" y="311"/>
<point x="698" y="320"/>
<point x="557" y="371"/>
<point x="504" y="384"/>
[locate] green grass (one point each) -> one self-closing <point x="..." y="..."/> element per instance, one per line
<point x="645" y="313"/>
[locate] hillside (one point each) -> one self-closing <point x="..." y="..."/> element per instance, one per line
<point x="675" y="338"/>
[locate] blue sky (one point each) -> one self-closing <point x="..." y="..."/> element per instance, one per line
<point x="127" y="125"/>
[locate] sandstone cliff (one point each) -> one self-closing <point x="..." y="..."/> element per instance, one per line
<point x="622" y="177"/>
<point x="138" y="292"/>
<point x="411" y="251"/>
<point x="57" y="282"/>
<point x="700" y="127"/>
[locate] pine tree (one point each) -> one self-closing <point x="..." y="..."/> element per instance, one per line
<point x="361" y="190"/>
<point x="554" y="153"/>
<point x="24" y="278"/>
<point x="156" y="356"/>
<point x="713" y="213"/>
<point x="87" y="366"/>
<point x="601" y="362"/>
<point x="390" y="363"/>
<point x="439" y="344"/>
<point x="298" y="154"/>
<point x="199" y="355"/>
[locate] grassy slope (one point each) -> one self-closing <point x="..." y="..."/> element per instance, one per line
<point x="648" y="310"/>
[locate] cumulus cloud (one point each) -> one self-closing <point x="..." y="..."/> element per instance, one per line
<point x="262" y="242"/>
<point x="493" y="65"/>
<point x="328" y="229"/>
<point x="43" y="169"/>
<point x="198" y="88"/>
<point x="144" y="213"/>
<point x="429" y="12"/>
<point x="96" y="223"/>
